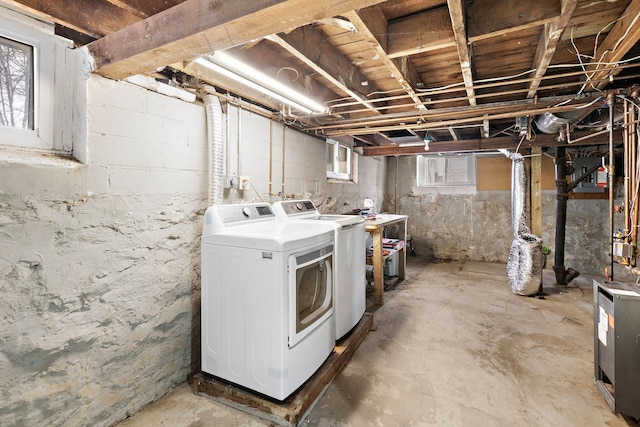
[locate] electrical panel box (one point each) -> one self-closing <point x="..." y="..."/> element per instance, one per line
<point x="622" y="249"/>
<point x="616" y="345"/>
<point x="596" y="182"/>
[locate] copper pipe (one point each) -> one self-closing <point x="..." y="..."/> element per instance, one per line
<point x="627" y="174"/>
<point x="634" y="176"/>
<point x="270" y="157"/>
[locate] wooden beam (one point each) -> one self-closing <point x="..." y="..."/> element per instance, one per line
<point x="622" y="38"/>
<point x="500" y="17"/>
<point x="94" y="18"/>
<point x="372" y="19"/>
<point x="197" y="27"/>
<point x="455" y="133"/>
<point x="490" y="144"/>
<point x="145" y="8"/>
<point x="311" y="47"/>
<point x="457" y="13"/>
<point x="548" y="43"/>
<point x="421" y="32"/>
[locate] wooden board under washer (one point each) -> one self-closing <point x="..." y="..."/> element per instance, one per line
<point x="292" y="410"/>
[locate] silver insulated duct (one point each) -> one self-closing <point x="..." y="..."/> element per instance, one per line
<point x="524" y="266"/>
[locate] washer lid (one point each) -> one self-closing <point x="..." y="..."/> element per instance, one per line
<point x="343" y="220"/>
<point x="305" y="210"/>
<point x="275" y="236"/>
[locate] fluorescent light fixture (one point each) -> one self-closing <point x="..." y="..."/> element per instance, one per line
<point x="225" y="64"/>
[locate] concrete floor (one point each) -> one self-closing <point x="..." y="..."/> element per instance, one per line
<point x="452" y="347"/>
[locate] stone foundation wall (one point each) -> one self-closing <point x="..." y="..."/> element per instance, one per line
<point x="477" y="224"/>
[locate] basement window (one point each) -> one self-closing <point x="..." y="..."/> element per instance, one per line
<point x="339" y="160"/>
<point x="27" y="69"/>
<point x="446" y="170"/>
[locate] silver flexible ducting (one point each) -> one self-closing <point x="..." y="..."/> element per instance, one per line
<point x="518" y="193"/>
<point x="215" y="140"/>
<point x="524" y="266"/>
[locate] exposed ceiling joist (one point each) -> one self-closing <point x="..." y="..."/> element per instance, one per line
<point x="624" y="35"/>
<point x="309" y="46"/>
<point x="372" y="26"/>
<point x="551" y="34"/>
<point x="456" y="11"/>
<point x="198" y="27"/>
<point x="96" y="15"/>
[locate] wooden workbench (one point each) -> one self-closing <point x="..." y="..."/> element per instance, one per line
<point x="376" y="228"/>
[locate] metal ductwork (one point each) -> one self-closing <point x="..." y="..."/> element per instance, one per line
<point x="553" y="123"/>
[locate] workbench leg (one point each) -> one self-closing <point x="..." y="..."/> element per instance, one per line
<point x="402" y="255"/>
<point x="378" y="268"/>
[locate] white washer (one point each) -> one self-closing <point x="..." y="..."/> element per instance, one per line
<point x="350" y="283"/>
<point x="267" y="292"/>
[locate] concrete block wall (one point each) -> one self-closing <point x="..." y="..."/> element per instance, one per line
<point x="99" y="262"/>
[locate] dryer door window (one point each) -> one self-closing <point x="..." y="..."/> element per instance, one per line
<point x="311" y="291"/>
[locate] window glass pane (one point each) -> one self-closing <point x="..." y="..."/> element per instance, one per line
<point x="443" y="170"/>
<point x="343" y="159"/>
<point x="16" y="84"/>
<point x="457" y="171"/>
<point x="330" y="149"/>
<point x="339" y="160"/>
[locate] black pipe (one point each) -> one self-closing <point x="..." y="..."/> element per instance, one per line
<point x="561" y="213"/>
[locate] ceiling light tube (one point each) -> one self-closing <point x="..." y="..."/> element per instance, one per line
<point x="230" y="74"/>
<point x="262" y="82"/>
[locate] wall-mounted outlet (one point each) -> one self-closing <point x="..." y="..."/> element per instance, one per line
<point x="243" y="184"/>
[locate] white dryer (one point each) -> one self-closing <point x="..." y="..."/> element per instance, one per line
<point x="350" y="283"/>
<point x="267" y="292"/>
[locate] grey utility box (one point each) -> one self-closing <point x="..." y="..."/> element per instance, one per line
<point x="617" y="345"/>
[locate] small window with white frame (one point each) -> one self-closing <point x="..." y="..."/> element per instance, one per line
<point x="31" y="57"/>
<point x="446" y="170"/>
<point x="339" y="160"/>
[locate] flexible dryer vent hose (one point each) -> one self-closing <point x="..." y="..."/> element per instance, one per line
<point x="524" y="266"/>
<point x="213" y="110"/>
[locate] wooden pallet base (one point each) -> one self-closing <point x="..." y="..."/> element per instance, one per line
<point x="291" y="411"/>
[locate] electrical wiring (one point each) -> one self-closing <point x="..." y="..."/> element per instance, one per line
<point x="622" y="37"/>
<point x="520" y="143"/>
<point x="288" y="69"/>
<point x="478" y="84"/>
